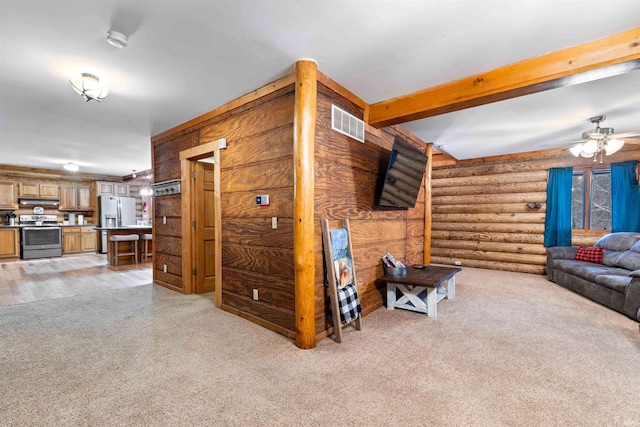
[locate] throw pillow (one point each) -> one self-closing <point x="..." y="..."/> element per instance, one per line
<point x="590" y="254"/>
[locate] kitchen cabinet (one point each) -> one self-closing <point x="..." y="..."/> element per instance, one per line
<point x="75" y="198"/>
<point x="112" y="189"/>
<point x="38" y="190"/>
<point x="77" y="240"/>
<point x="9" y="242"/>
<point x="8" y="199"/>
<point x="89" y="240"/>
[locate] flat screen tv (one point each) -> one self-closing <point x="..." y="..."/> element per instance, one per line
<point x="403" y="178"/>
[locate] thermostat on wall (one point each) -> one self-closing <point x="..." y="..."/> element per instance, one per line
<point x="262" y="200"/>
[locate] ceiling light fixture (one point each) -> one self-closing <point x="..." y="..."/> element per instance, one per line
<point x="133" y="175"/>
<point x="71" y="167"/>
<point x="89" y="87"/>
<point x="598" y="141"/>
<point x="117" y="39"/>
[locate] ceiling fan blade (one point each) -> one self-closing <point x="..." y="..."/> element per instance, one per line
<point x="626" y="135"/>
<point x="563" y="144"/>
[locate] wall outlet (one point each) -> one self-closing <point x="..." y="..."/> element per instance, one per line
<point x="274" y="222"/>
<point x="255" y="295"/>
<point x="164" y="267"/>
<point x="457" y="263"/>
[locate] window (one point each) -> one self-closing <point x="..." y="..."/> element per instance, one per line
<point x="591" y="199"/>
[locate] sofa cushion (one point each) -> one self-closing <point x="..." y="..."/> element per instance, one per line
<point x="629" y="260"/>
<point x="590" y="254"/>
<point x="611" y="257"/>
<point x="587" y="270"/>
<point x="635" y="247"/>
<point x="615" y="283"/>
<point x="635" y="273"/>
<point x="618" y="241"/>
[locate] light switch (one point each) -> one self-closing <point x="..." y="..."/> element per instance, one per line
<point x="274" y="222"/>
<point x="262" y="200"/>
<point x="164" y="219"/>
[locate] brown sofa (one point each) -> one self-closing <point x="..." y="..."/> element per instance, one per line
<point x="615" y="283"/>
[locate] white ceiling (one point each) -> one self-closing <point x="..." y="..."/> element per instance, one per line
<point x="187" y="57"/>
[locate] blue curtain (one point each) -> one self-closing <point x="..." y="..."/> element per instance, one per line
<point x="557" y="221"/>
<point x="625" y="197"/>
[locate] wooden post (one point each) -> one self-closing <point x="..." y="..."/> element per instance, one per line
<point x="304" y="124"/>
<point x="426" y="257"/>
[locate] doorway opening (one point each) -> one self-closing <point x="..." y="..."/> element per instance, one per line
<point x="201" y="219"/>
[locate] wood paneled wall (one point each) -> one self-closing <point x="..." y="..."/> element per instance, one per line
<point x="258" y="160"/>
<point x="348" y="177"/>
<point x="167" y="221"/>
<point x="480" y="213"/>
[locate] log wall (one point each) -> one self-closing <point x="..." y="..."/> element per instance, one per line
<point x="480" y="213"/>
<point x="348" y="177"/>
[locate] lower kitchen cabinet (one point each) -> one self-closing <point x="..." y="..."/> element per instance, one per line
<point x="9" y="242"/>
<point x="77" y="240"/>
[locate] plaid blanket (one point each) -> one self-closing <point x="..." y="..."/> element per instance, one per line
<point x="349" y="304"/>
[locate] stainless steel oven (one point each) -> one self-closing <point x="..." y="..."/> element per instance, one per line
<point x="39" y="238"/>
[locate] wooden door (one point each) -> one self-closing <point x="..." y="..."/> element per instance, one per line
<point x="71" y="240"/>
<point x="68" y="198"/>
<point x="121" y="190"/>
<point x="8" y="195"/>
<point x="49" y="191"/>
<point x="205" y="227"/>
<point x="88" y="240"/>
<point x="29" y="189"/>
<point x="9" y="243"/>
<point x="84" y="198"/>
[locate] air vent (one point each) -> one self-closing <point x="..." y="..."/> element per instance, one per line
<point x="347" y="124"/>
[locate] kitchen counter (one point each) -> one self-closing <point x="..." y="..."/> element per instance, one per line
<point x="129" y="229"/>
<point x="77" y="225"/>
<point x="9" y="226"/>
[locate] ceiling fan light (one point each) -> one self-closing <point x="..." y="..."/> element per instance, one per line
<point x="613" y="145"/>
<point x="117" y="39"/>
<point x="576" y="150"/>
<point x="590" y="146"/>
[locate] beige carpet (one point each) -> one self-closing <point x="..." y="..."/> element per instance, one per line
<point x="511" y="349"/>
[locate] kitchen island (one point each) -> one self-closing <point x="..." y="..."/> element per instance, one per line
<point x="124" y="246"/>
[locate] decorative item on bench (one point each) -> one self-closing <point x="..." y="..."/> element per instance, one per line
<point x="341" y="277"/>
<point x="392" y="267"/>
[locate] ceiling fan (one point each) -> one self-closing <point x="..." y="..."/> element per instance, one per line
<point x="600" y="141"/>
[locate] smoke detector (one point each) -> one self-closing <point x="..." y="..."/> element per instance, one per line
<point x="117" y="39"/>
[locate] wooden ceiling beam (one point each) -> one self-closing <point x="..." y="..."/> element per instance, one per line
<point x="609" y="56"/>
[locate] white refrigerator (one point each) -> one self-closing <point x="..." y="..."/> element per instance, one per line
<point x="115" y="212"/>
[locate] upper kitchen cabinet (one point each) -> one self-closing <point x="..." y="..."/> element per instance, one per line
<point x="112" y="189"/>
<point x="38" y="190"/>
<point x="8" y="199"/>
<point x="75" y="198"/>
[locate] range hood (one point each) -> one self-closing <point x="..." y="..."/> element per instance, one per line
<point x="38" y="202"/>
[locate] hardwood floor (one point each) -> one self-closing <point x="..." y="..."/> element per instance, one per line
<point x="25" y="281"/>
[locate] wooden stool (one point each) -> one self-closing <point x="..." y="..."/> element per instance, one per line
<point x="133" y="238"/>
<point x="147" y="238"/>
